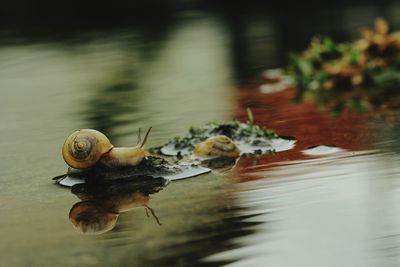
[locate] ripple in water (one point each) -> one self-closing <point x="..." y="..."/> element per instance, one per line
<point x="339" y="210"/>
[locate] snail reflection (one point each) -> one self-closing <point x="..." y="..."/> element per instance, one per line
<point x="103" y="201"/>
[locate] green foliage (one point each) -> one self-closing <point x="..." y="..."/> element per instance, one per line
<point x="250" y="116"/>
<point x="354" y="56"/>
<point x="341" y="74"/>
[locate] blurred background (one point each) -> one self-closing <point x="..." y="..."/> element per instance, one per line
<point x="119" y="65"/>
<point x="254" y="34"/>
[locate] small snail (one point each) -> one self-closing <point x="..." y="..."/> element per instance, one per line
<point x="217" y="146"/>
<point x="85" y="148"/>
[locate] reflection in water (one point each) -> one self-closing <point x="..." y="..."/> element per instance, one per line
<point x="143" y="81"/>
<point x="310" y="126"/>
<point x="334" y="211"/>
<point x="198" y="219"/>
<point x="117" y="94"/>
<point x="90" y="217"/>
<point x="103" y="201"/>
<point x="106" y="111"/>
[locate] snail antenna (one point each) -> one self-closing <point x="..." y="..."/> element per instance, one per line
<point x="139" y="139"/>
<point x="145" y="137"/>
<point x="152" y="212"/>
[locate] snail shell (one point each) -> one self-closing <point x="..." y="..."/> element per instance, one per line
<point x="83" y="148"/>
<point x="217" y="146"/>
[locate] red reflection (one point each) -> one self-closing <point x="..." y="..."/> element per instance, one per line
<point x="305" y="122"/>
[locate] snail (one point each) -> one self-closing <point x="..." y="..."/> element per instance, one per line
<point x="85" y="148"/>
<point x="217" y="146"/>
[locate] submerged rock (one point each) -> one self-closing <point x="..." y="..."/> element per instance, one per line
<point x="150" y="167"/>
<point x="322" y="150"/>
<point x="214" y="145"/>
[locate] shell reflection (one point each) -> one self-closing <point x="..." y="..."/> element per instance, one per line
<point x="102" y="202"/>
<point x="90" y="217"/>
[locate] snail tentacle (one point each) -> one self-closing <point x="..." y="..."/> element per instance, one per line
<point x="152" y="213"/>
<point x="145" y="137"/>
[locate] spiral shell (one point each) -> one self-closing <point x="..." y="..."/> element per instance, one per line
<point x="83" y="148"/>
<point x="217" y="146"/>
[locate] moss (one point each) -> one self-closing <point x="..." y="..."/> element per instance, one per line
<point x="235" y="130"/>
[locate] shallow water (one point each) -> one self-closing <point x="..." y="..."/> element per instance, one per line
<point x="283" y="210"/>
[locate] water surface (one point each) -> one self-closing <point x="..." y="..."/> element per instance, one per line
<point x="283" y="210"/>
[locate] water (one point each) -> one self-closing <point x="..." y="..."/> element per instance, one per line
<point x="340" y="210"/>
<point x="283" y="210"/>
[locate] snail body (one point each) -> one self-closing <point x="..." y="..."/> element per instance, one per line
<point x="123" y="156"/>
<point x="217" y="146"/>
<point x="85" y="148"/>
